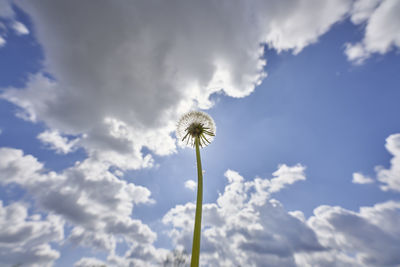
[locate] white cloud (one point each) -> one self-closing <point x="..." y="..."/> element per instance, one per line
<point x="359" y="178"/>
<point x="389" y="178"/>
<point x="17" y="168"/>
<point x="356" y="53"/>
<point x="7" y="13"/>
<point x="25" y="239"/>
<point x="362" y="10"/>
<point x="286" y="175"/>
<point x="89" y="262"/>
<point x="296" y="24"/>
<point x="245" y="226"/>
<point x="140" y="255"/>
<point x="190" y="184"/>
<point x="20" y="28"/>
<point x="58" y="143"/>
<point x="124" y="74"/>
<point x="381" y="30"/>
<point x="369" y="237"/>
<point x="88" y="196"/>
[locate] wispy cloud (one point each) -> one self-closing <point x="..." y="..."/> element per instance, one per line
<point x="2" y="41"/>
<point x="55" y="141"/>
<point x="20" y="28"/>
<point x="8" y="15"/>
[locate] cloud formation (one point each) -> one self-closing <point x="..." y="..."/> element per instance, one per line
<point x="123" y="75"/>
<point x="7" y="15"/>
<point x="381" y="22"/>
<point x="117" y="77"/>
<point x="25" y="239"/>
<point x="369" y="237"/>
<point x="89" y="262"/>
<point x="247" y="227"/>
<point x="359" y="178"/>
<point x="55" y="141"/>
<point x="389" y="178"/>
<point x="190" y="184"/>
<point x="87" y="196"/>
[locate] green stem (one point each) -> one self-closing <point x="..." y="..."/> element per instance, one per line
<point x="199" y="203"/>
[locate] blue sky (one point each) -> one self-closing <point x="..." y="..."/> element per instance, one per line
<point x="305" y="166"/>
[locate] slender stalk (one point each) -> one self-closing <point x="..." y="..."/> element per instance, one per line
<point x="199" y="204"/>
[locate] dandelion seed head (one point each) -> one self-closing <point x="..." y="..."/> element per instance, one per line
<point x="196" y="124"/>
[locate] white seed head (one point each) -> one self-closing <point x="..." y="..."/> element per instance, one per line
<point x="196" y="124"/>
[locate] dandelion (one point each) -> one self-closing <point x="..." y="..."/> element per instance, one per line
<point x="196" y="129"/>
<point x="196" y="124"/>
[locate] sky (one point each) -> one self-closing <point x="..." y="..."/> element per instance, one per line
<point x="305" y="166"/>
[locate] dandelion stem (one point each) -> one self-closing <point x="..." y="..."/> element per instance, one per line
<point x="199" y="204"/>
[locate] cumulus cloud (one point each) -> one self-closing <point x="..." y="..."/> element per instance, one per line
<point x="124" y="74"/>
<point x="381" y="29"/>
<point x="190" y="184"/>
<point x="26" y="239"/>
<point x="369" y="237"/>
<point x="88" y="196"/>
<point x="17" y="168"/>
<point x="98" y="205"/>
<point x="120" y="78"/>
<point x="359" y="178"/>
<point x="246" y="226"/>
<point x="295" y="24"/>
